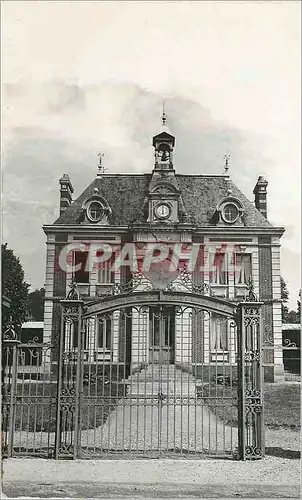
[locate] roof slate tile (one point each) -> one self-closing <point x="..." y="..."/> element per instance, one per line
<point x="125" y="195"/>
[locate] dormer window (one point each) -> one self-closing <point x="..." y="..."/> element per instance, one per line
<point x="229" y="210"/>
<point x="230" y="213"/>
<point x="95" y="211"/>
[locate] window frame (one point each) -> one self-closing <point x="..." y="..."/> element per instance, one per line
<point x="229" y="270"/>
<point x="245" y="283"/>
<point x="86" y="273"/>
<point x="214" y="350"/>
<point x="108" y="323"/>
<point x="105" y="269"/>
<point x="88" y="208"/>
<point x="212" y="272"/>
<point x="223" y="215"/>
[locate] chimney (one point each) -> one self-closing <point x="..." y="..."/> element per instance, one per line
<point x="260" y="195"/>
<point x="66" y="191"/>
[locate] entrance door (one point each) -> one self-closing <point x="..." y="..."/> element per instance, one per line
<point x="162" y="334"/>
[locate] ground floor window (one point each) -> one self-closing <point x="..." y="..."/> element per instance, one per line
<point x="104" y="333"/>
<point x="218" y="333"/>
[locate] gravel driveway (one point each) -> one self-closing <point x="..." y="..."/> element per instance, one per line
<point x="141" y="425"/>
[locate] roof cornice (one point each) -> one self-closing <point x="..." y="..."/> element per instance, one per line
<point x="241" y="230"/>
<point x="221" y="231"/>
<point x="63" y="228"/>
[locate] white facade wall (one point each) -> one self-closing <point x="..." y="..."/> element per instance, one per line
<point x="48" y="304"/>
<point x="183" y="337"/>
<point x="91" y="340"/>
<point x="115" y="336"/>
<point x="277" y="315"/>
<point x="140" y="337"/>
<point x="230" y="292"/>
<point x="183" y="325"/>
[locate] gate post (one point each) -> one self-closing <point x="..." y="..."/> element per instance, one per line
<point x="250" y="378"/>
<point x="10" y="361"/>
<point x="69" y="376"/>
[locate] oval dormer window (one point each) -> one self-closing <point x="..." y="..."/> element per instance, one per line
<point x="95" y="211"/>
<point x="230" y="213"/>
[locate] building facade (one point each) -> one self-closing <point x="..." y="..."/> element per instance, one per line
<point x="171" y="230"/>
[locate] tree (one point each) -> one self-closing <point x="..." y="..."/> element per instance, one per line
<point x="289" y="316"/>
<point x="36" y="305"/>
<point x="284" y="300"/>
<point x="292" y="317"/>
<point x="14" y="287"/>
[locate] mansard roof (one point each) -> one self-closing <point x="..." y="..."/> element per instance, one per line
<point x="201" y="194"/>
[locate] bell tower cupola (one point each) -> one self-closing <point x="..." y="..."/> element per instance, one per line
<point x="163" y="143"/>
<point x="163" y="204"/>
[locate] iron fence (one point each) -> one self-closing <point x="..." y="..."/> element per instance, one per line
<point x="148" y="375"/>
<point x="28" y="399"/>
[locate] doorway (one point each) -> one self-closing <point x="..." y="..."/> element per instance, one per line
<point x="162" y="334"/>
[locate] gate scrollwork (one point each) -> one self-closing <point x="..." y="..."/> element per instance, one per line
<point x="69" y="373"/>
<point x="68" y="399"/>
<point x="250" y="375"/>
<point x="253" y="400"/>
<point x="245" y="318"/>
<point x="253" y="451"/>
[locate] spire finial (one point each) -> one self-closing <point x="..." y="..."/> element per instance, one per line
<point x="164" y="116"/>
<point x="226" y="164"/>
<point x="101" y="166"/>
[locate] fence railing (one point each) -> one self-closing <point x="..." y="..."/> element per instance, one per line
<point x="29" y="394"/>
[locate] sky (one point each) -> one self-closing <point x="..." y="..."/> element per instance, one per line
<point x="83" y="77"/>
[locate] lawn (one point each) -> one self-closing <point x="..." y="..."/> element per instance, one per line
<point x="281" y="404"/>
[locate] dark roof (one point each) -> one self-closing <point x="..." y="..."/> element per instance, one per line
<point x="124" y="193"/>
<point x="201" y="194"/>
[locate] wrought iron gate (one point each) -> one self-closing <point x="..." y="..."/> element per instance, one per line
<point x="141" y="374"/>
<point x="29" y="395"/>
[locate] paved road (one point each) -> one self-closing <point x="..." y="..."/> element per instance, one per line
<point x="269" y="478"/>
<point x="135" y="492"/>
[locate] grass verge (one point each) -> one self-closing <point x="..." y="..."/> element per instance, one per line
<point x="281" y="404"/>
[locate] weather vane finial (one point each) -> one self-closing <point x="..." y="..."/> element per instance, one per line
<point x="101" y="166"/>
<point x="226" y="164"/>
<point x="164" y="116"/>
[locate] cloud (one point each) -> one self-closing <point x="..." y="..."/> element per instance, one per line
<point x="84" y="77"/>
<point x="61" y="129"/>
